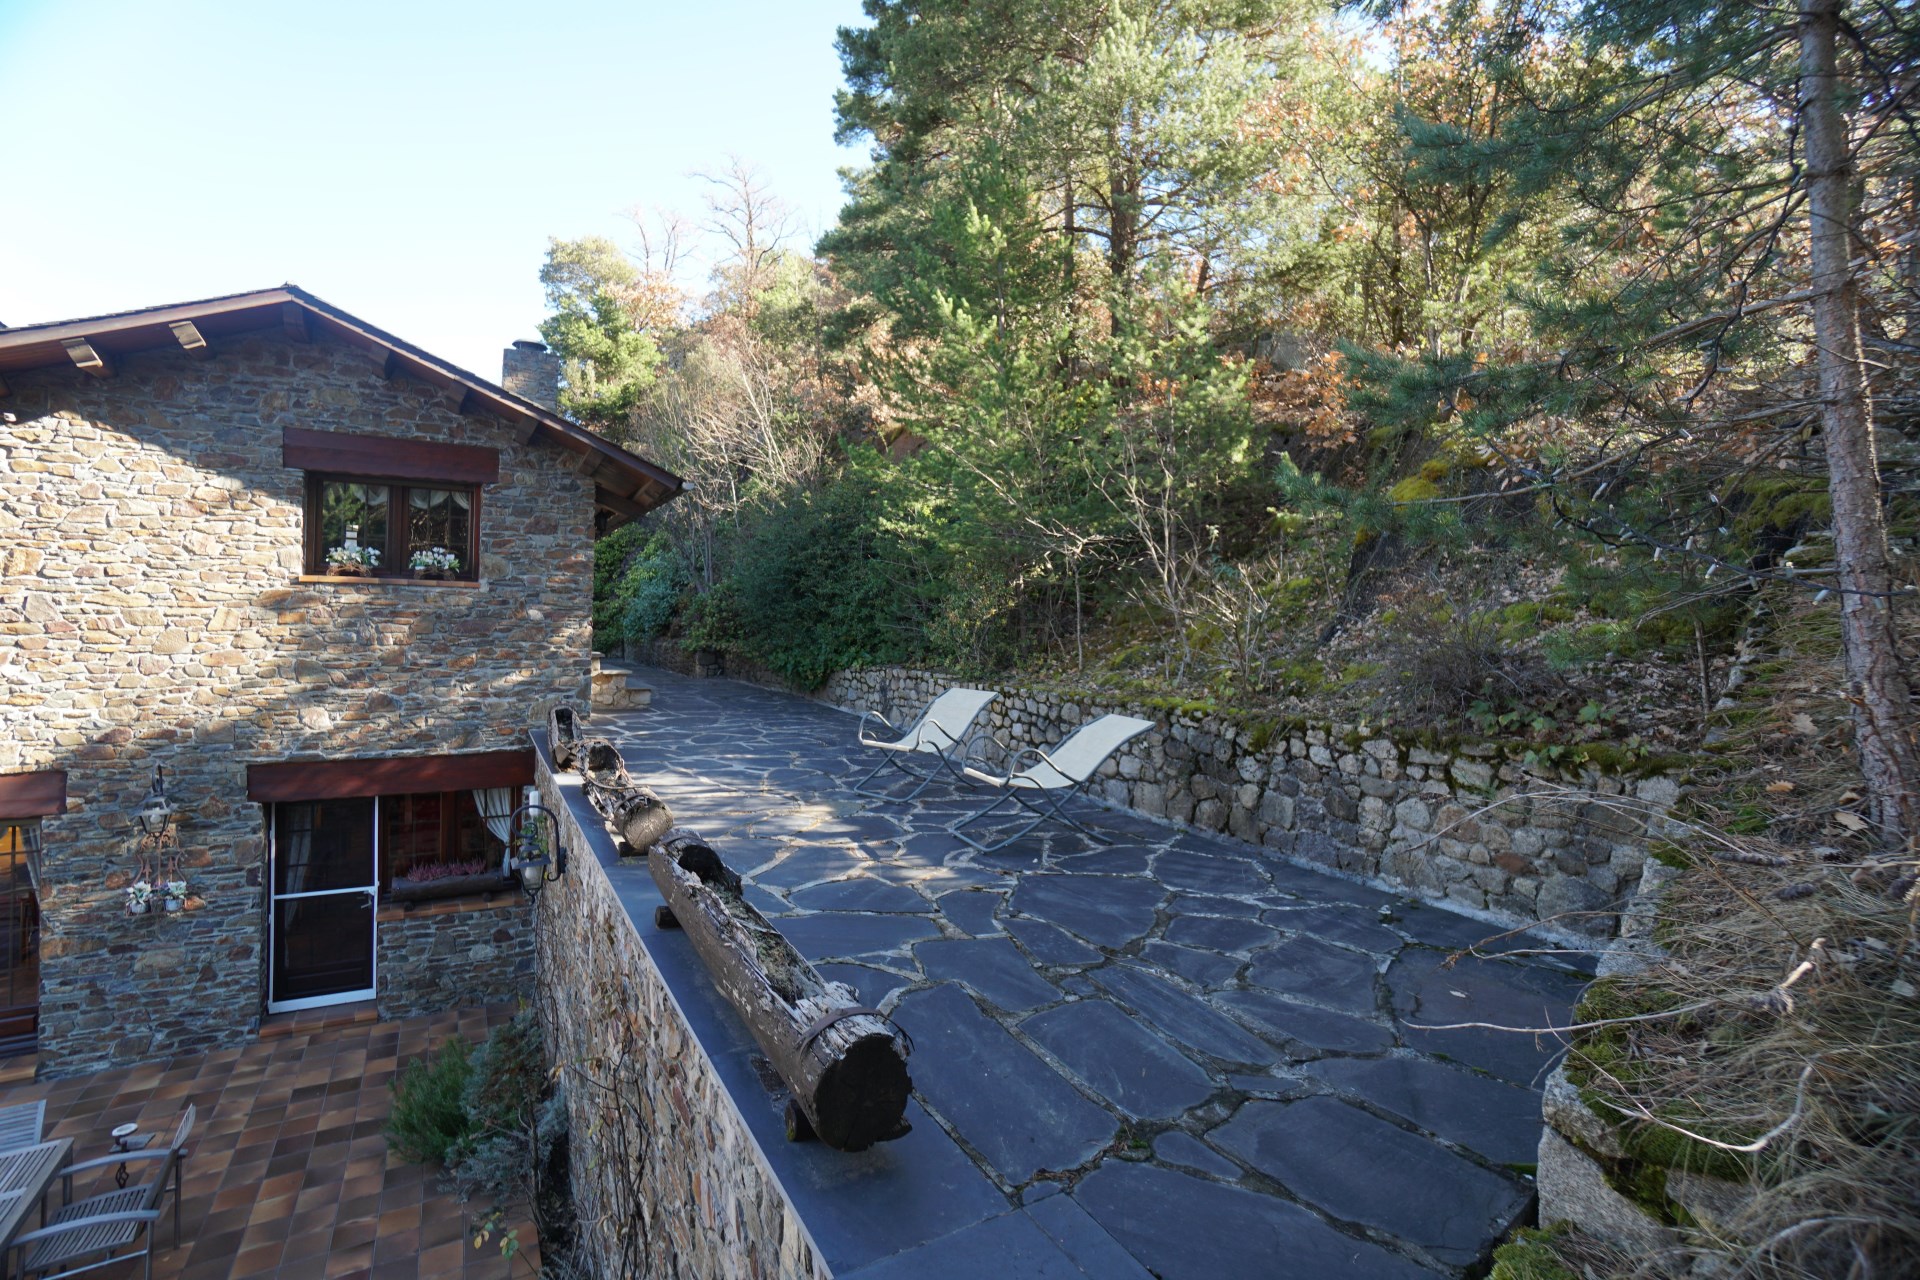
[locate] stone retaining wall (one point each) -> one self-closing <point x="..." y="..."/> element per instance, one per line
<point x="1469" y="824"/>
<point x="1586" y="1175"/>
<point x="667" y="1181"/>
<point x="454" y="956"/>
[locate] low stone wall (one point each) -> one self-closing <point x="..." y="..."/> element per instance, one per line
<point x="1469" y="824"/>
<point x="1586" y="1174"/>
<point x="454" y="955"/>
<point x="667" y="1181"/>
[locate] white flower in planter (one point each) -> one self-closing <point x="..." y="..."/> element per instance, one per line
<point x="435" y="560"/>
<point x="353" y="557"/>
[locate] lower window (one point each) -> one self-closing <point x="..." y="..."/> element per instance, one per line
<point x="436" y="844"/>
<point x="336" y="860"/>
<point x="19" y="934"/>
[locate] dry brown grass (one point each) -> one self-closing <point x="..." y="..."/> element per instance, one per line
<point x="1797" y="1066"/>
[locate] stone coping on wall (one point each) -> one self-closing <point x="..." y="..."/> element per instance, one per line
<point x="854" y="1208"/>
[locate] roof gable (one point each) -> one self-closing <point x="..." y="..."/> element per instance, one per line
<point x="625" y="484"/>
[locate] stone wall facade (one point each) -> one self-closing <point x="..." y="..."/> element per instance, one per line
<point x="460" y="956"/>
<point x="152" y="613"/>
<point x="1468" y="824"/>
<point x="667" y="1181"/>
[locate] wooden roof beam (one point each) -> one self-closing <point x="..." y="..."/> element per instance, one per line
<point x="191" y="341"/>
<point x="293" y="321"/>
<point x="605" y="497"/>
<point x="87" y="359"/>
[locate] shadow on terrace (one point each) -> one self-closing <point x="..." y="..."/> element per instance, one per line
<point x="1211" y="1052"/>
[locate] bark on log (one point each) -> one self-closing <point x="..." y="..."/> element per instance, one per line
<point x="641" y="818"/>
<point x="635" y="813"/>
<point x="848" y="1073"/>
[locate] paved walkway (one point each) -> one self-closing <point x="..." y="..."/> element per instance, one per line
<point x="288" y="1174"/>
<point x="1208" y="1050"/>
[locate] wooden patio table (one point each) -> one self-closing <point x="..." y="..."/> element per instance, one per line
<point x="25" y="1175"/>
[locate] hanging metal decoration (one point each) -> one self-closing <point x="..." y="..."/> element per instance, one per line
<point x="157" y="851"/>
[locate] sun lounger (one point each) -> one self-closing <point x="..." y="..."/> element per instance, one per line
<point x="941" y="732"/>
<point x="1042" y="782"/>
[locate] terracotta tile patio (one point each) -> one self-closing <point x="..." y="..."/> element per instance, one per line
<point x="288" y="1173"/>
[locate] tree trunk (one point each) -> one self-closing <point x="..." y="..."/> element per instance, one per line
<point x="1883" y="724"/>
<point x="846" y="1067"/>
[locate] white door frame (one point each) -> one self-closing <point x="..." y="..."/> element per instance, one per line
<point x="371" y="889"/>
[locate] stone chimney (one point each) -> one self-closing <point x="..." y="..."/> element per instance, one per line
<point x="532" y="372"/>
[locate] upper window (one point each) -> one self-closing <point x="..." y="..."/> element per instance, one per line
<point x="394" y="506"/>
<point x="395" y="529"/>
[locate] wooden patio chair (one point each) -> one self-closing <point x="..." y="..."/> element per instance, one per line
<point x="20" y="1125"/>
<point x="93" y="1232"/>
<point x="1042" y="782"/>
<point x="941" y="728"/>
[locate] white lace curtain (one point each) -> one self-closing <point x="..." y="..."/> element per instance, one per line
<point x="496" y="810"/>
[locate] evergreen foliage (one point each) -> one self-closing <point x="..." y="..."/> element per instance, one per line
<point x="429" y="1121"/>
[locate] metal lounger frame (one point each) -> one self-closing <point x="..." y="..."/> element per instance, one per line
<point x="1016" y="783"/>
<point x="895" y="756"/>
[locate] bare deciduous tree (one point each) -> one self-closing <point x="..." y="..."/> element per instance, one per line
<point x="745" y="214"/>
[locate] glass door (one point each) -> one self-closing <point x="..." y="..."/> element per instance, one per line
<point x="321" y="914"/>
<point x="19" y="936"/>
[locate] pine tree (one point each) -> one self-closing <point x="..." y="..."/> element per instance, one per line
<point x="1714" y="159"/>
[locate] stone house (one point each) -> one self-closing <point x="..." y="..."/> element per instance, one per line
<point x="182" y="492"/>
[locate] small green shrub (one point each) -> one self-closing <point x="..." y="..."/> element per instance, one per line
<point x="429" y="1120"/>
<point x="507" y="1077"/>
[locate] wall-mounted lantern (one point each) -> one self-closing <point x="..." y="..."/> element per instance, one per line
<point x="536" y="854"/>
<point x="156" y="814"/>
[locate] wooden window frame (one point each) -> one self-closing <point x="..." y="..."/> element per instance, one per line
<point x="448" y="822"/>
<point x="398" y="550"/>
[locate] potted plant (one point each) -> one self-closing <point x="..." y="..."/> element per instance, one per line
<point x="174" y="895"/>
<point x="139" y="897"/>
<point x="435" y="562"/>
<point x="353" y="561"/>
<point x="427" y="881"/>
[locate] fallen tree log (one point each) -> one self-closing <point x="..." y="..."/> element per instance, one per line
<point x="845" y="1065"/>
<point x="636" y="814"/>
<point x="563" y="737"/>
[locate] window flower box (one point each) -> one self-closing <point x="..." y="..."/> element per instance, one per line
<point x="353" y="561"/>
<point x="434" y="563"/>
<point x="449" y="880"/>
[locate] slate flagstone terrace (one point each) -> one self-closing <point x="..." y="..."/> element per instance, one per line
<point x="1200" y="1056"/>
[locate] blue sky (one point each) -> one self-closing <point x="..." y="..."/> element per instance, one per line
<point x="406" y="160"/>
